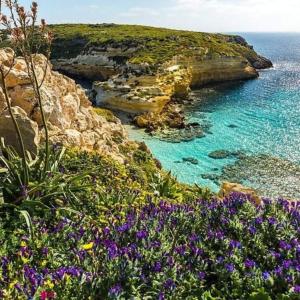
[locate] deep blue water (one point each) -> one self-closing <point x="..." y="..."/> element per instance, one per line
<point x="265" y="113"/>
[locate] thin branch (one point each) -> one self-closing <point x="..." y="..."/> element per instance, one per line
<point x="20" y="138"/>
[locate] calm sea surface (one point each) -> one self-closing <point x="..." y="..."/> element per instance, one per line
<point x="257" y="117"/>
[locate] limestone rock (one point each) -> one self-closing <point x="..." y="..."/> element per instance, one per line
<point x="228" y="187"/>
<point x="29" y="130"/>
<point x="69" y="114"/>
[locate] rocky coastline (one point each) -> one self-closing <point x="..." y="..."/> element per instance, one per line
<point x="144" y="72"/>
<point x="152" y="91"/>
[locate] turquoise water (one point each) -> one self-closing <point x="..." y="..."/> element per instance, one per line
<point x="265" y="114"/>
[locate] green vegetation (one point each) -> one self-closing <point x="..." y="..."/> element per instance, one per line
<point x="133" y="232"/>
<point x="106" y="113"/>
<point x="152" y="45"/>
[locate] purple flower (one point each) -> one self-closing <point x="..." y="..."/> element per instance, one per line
<point x="259" y="220"/>
<point x="265" y="275"/>
<point x="180" y="249"/>
<point x="278" y="271"/>
<point x="235" y="244"/>
<point x="157" y="267"/>
<point x="170" y="261"/>
<point x="250" y="263"/>
<point x="252" y="230"/>
<point x="220" y="259"/>
<point x="115" y="290"/>
<point x="286" y="264"/>
<point x="229" y="267"/>
<point x="272" y="221"/>
<point x="141" y="235"/>
<point x="284" y="245"/>
<point x="296" y="289"/>
<point x="169" y="284"/>
<point x="111" y="248"/>
<point x="106" y="231"/>
<point x="123" y="228"/>
<point x="161" y="296"/>
<point x="155" y="244"/>
<point x="201" y="275"/>
<point x="193" y="237"/>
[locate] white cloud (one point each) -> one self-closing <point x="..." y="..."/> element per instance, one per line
<point x="237" y="15"/>
<point x="136" y="12"/>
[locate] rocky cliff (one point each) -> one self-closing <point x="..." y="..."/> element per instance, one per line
<point x="145" y="67"/>
<point x="71" y="119"/>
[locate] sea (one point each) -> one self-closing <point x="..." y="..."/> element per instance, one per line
<point x="256" y="123"/>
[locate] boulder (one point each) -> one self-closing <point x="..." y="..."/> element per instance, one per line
<point x="228" y="187"/>
<point x="29" y="130"/>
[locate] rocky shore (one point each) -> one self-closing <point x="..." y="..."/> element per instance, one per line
<point x="149" y="72"/>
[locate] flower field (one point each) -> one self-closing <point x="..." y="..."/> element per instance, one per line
<point x="206" y="249"/>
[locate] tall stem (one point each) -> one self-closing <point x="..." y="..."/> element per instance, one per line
<point x="40" y="101"/>
<point x="20" y="139"/>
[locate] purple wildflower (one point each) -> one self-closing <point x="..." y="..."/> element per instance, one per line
<point x="115" y="290"/>
<point x="250" y="263"/>
<point x="169" y="284"/>
<point x="235" y="244"/>
<point x="252" y="230"/>
<point x="296" y="289"/>
<point x="284" y="245"/>
<point x="229" y="267"/>
<point x="201" y="275"/>
<point x="141" y="235"/>
<point x="266" y="275"/>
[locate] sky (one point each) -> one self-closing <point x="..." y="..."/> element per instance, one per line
<point x="199" y="15"/>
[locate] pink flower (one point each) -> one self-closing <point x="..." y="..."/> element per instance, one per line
<point x="44" y="295"/>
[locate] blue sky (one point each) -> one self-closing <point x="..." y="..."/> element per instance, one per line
<point x="200" y="15"/>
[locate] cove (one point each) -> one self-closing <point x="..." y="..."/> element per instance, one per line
<point x="259" y="118"/>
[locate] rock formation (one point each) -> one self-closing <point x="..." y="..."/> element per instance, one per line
<point x="144" y="68"/>
<point x="140" y="94"/>
<point x="71" y="119"/>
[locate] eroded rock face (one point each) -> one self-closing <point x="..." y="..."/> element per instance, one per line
<point x="220" y="70"/>
<point x="70" y="116"/>
<point x="144" y="94"/>
<point x="92" y="67"/>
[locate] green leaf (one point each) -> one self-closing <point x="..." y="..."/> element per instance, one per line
<point x="27" y="218"/>
<point x="261" y="294"/>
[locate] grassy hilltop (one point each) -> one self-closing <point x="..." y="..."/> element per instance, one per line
<point x="146" y="44"/>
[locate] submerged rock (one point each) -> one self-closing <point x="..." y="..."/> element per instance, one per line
<point x="191" y="160"/>
<point x="232" y="126"/>
<point x="273" y="176"/>
<point x="220" y="154"/>
<point x="212" y="177"/>
<point x="179" y="135"/>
